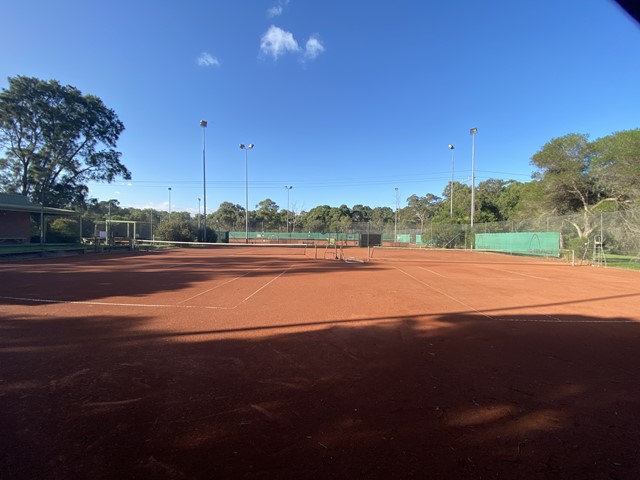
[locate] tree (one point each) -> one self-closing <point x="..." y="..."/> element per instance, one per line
<point x="179" y="230"/>
<point x="318" y="219"/>
<point x="495" y="199"/>
<point x="461" y="205"/>
<point x="55" y="140"/>
<point x="361" y="213"/>
<point x="565" y="174"/>
<point x="63" y="230"/>
<point x="423" y="208"/>
<point x="267" y="214"/>
<point x="509" y="198"/>
<point x="563" y="167"/>
<point x="227" y="217"/>
<point x="382" y="216"/>
<point x="616" y="167"/>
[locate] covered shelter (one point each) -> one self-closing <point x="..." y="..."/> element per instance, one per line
<point x="17" y="218"/>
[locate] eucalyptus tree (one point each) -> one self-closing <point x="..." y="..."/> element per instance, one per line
<point x="423" y="208"/>
<point x="266" y="214"/>
<point x="566" y="174"/>
<point x="616" y="167"/>
<point x="228" y="216"/>
<point x="55" y="140"/>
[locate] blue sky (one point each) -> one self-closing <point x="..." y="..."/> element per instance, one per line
<point x="344" y="100"/>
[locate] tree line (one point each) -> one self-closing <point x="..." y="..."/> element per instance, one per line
<point x="55" y="140"/>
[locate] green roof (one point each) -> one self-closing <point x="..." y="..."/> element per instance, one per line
<point x="20" y="203"/>
<point x="15" y="199"/>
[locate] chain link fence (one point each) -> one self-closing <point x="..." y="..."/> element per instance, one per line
<point x="614" y="234"/>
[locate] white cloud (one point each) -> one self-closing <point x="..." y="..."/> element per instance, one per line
<point x="277" y="42"/>
<point x="313" y="48"/>
<point x="277" y="10"/>
<point x="274" y="11"/>
<point x="207" y="60"/>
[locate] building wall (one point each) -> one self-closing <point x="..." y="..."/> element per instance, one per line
<point x="15" y="225"/>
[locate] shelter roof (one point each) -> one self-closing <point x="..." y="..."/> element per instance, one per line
<point x="20" y="203"/>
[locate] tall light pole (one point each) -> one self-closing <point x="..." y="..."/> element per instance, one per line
<point x="109" y="224"/>
<point x="395" y="229"/>
<point x="452" y="148"/>
<point x="246" y="149"/>
<point x="169" y="203"/>
<point x="203" y="124"/>
<point x="288" y="188"/>
<point x="198" y="217"/>
<point x="473" y="132"/>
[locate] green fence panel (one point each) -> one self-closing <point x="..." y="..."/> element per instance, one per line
<point x="525" y="243"/>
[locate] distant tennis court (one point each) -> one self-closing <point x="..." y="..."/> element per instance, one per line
<point x="313" y="361"/>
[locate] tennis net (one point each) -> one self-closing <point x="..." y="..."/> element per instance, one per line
<point x="208" y="249"/>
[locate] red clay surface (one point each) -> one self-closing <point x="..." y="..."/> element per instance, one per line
<point x="238" y="364"/>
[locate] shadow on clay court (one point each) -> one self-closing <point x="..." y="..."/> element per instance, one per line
<point x="94" y="277"/>
<point x="457" y="396"/>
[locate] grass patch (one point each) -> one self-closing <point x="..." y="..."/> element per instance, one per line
<point x="623" y="261"/>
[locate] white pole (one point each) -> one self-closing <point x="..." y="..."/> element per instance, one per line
<point x="246" y="196"/>
<point x="452" y="148"/>
<point x="246" y="149"/>
<point x="473" y="132"/>
<point x="395" y="228"/>
<point x="203" y="124"/>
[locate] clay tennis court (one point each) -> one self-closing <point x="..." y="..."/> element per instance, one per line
<point x="242" y="363"/>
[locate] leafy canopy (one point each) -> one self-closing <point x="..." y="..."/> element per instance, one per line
<point x="54" y="140"/>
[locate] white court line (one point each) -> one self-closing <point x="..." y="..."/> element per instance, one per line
<point x="518" y="273"/>
<point x="551" y="319"/>
<point x="113" y="304"/>
<point x="435" y="273"/>
<point x="265" y="285"/>
<point x="221" y="285"/>
<point x="146" y="305"/>
<point x="445" y="294"/>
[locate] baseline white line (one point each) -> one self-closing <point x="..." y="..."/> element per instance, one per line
<point x="113" y="304"/>
<point x="559" y="320"/>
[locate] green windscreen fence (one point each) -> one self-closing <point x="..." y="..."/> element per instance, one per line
<point x="545" y="244"/>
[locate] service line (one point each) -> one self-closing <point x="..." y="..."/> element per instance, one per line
<point x="221" y="285"/>
<point x="435" y="273"/>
